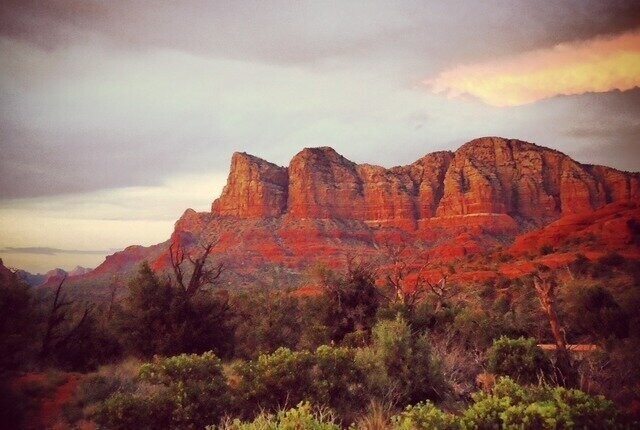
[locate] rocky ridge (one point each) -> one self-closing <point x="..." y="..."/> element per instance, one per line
<point x="272" y="222"/>
<point x="530" y="184"/>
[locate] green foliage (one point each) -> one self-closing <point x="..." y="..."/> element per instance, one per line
<point x="424" y="416"/>
<point x="519" y="358"/>
<point x="273" y="380"/>
<point x="508" y="406"/>
<point x="594" y="311"/>
<point x="611" y="259"/>
<point x="538" y="407"/>
<point x="86" y="346"/>
<point x="301" y="417"/>
<point x="399" y="364"/>
<point x="146" y="321"/>
<point x="124" y="411"/>
<point x="581" y="265"/>
<point x="160" y="319"/>
<point x="328" y="377"/>
<point x="265" y="321"/>
<point x="18" y="322"/>
<point x="184" y="391"/>
<point x="353" y="300"/>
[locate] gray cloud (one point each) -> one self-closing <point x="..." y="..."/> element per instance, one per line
<point x="102" y="95"/>
<point x="307" y="31"/>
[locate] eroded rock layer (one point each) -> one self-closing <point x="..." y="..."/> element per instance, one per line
<point x="532" y="184"/>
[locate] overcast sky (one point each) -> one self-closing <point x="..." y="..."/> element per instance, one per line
<point x="116" y="116"/>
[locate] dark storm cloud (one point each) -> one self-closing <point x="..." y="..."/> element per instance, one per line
<point x="297" y="32"/>
<point x="74" y="120"/>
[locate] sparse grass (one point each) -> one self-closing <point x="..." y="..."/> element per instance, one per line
<point x="376" y="418"/>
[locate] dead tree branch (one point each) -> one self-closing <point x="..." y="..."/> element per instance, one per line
<point x="201" y="274"/>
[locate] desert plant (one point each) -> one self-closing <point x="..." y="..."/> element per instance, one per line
<point x="399" y="364"/>
<point x="519" y="358"/>
<point x="184" y="391"/>
<point x="511" y="405"/>
<point x="329" y="377"/>
<point x="303" y="416"/>
<point x="424" y="416"/>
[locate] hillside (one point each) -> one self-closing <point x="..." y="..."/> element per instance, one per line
<point x="323" y="207"/>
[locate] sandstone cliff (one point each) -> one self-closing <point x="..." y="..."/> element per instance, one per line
<point x="532" y="185"/>
<point x="272" y="222"/>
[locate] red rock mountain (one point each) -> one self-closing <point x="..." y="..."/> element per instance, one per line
<point x="324" y="207"/>
<point x="531" y="184"/>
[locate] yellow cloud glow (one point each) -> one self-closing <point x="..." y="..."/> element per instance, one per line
<point x="595" y="65"/>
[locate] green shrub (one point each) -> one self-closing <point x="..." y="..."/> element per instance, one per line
<point x="538" y="407"/>
<point x="124" y="411"/>
<point x="612" y="259"/>
<point x="581" y="265"/>
<point x="424" y="416"/>
<point x="399" y="365"/>
<point x="272" y="381"/>
<point x="301" y="417"/>
<point x="520" y="359"/>
<point x="328" y="377"/>
<point x="18" y="323"/>
<point x="185" y="391"/>
<point x="595" y="312"/>
<point x="508" y="406"/>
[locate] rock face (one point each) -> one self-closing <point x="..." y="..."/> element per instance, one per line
<point x="255" y="188"/>
<point x="491" y="175"/>
<point x="528" y="182"/>
<point x="271" y="222"/>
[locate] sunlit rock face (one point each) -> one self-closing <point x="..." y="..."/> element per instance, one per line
<point x="255" y="188"/>
<point x="490" y="175"/>
<point x="323" y="207"/>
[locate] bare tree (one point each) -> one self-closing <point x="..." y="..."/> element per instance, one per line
<point x="53" y="338"/>
<point x="407" y="280"/>
<point x="545" y="284"/>
<point x="200" y="275"/>
<point x="441" y="291"/>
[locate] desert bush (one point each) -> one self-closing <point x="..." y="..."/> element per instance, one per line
<point x="594" y="311"/>
<point x="519" y="358"/>
<point x="184" y="391"/>
<point x="536" y="407"/>
<point x="18" y="322"/>
<point x="158" y="318"/>
<point x="424" y="416"/>
<point x="124" y="411"/>
<point x="399" y="365"/>
<point x="87" y="346"/>
<point x="353" y="300"/>
<point x="304" y="416"/>
<point x="580" y="265"/>
<point x="272" y="380"/>
<point x="612" y="259"/>
<point x="265" y="321"/>
<point x="377" y="417"/>
<point x="508" y="406"/>
<point x="329" y="377"/>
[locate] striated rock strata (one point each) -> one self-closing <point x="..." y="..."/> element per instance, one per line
<point x="491" y="175"/>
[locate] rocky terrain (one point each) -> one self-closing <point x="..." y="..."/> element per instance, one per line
<point x="323" y="207"/>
